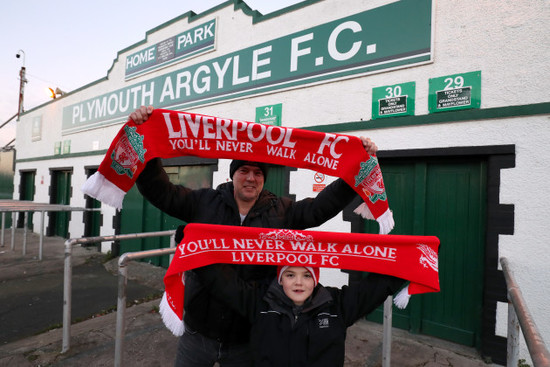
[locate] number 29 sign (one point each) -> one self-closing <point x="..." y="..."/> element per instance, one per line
<point x="455" y="92"/>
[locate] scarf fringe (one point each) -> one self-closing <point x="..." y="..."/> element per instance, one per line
<point x="169" y="317"/>
<point x="401" y="300"/>
<point x="385" y="221"/>
<point x="98" y="187"/>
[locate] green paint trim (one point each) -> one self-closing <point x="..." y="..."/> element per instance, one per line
<point x="438" y="118"/>
<point x="62" y="156"/>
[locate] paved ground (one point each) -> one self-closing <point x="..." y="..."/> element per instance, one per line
<point x="29" y="295"/>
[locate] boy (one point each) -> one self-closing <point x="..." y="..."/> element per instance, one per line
<point x="295" y="320"/>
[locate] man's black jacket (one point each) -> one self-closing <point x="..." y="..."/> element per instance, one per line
<point x="203" y="313"/>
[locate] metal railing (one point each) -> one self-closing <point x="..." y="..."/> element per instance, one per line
<point x="26" y="207"/>
<point x="519" y="316"/>
<point x="121" y="303"/>
<point x="68" y="272"/>
<point x="25" y="231"/>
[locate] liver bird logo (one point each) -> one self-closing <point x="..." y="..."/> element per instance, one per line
<point x="428" y="257"/>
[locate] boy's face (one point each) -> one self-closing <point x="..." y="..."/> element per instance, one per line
<point x="298" y="284"/>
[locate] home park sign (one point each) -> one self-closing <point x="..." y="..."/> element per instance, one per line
<point x="390" y="36"/>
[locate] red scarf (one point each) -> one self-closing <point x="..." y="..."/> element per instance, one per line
<point x="414" y="258"/>
<point x="169" y="134"/>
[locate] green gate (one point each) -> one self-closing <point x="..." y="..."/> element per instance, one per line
<point x="26" y="192"/>
<point x="61" y="194"/>
<point x="6" y="174"/>
<point x="445" y="198"/>
<point x="277" y="180"/>
<point x="138" y="215"/>
<point x="92" y="219"/>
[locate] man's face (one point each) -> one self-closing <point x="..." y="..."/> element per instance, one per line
<point x="298" y="284"/>
<point x="248" y="182"/>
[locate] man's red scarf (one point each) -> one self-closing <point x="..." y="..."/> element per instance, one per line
<point x="414" y="258"/>
<point x="169" y="134"/>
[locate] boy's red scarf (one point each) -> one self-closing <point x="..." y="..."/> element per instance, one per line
<point x="169" y="134"/>
<point x="414" y="258"/>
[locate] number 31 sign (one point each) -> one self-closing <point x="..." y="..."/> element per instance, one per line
<point x="270" y="115"/>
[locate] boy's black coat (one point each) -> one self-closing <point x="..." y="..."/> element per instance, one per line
<point x="285" y="335"/>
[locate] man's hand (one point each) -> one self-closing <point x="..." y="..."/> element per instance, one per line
<point x="141" y="115"/>
<point x="369" y="145"/>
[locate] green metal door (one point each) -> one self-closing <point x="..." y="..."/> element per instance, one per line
<point x="27" y="193"/>
<point x="277" y="180"/>
<point x="6" y="174"/>
<point x="447" y="199"/>
<point x="92" y="219"/>
<point x="138" y="215"/>
<point x="62" y="195"/>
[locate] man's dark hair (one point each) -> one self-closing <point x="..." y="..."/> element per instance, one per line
<point x="236" y="164"/>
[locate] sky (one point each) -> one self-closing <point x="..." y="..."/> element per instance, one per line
<point x="67" y="44"/>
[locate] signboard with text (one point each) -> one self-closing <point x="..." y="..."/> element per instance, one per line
<point x="319" y="184"/>
<point x="270" y="115"/>
<point x="194" y="41"/>
<point x="393" y="100"/>
<point x="387" y="37"/>
<point x="455" y="92"/>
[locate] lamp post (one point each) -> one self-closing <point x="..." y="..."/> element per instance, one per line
<point x="22" y="81"/>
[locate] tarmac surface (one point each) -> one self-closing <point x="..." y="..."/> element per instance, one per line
<point x="31" y="308"/>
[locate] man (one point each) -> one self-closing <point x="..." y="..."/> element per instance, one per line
<point x="213" y="332"/>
